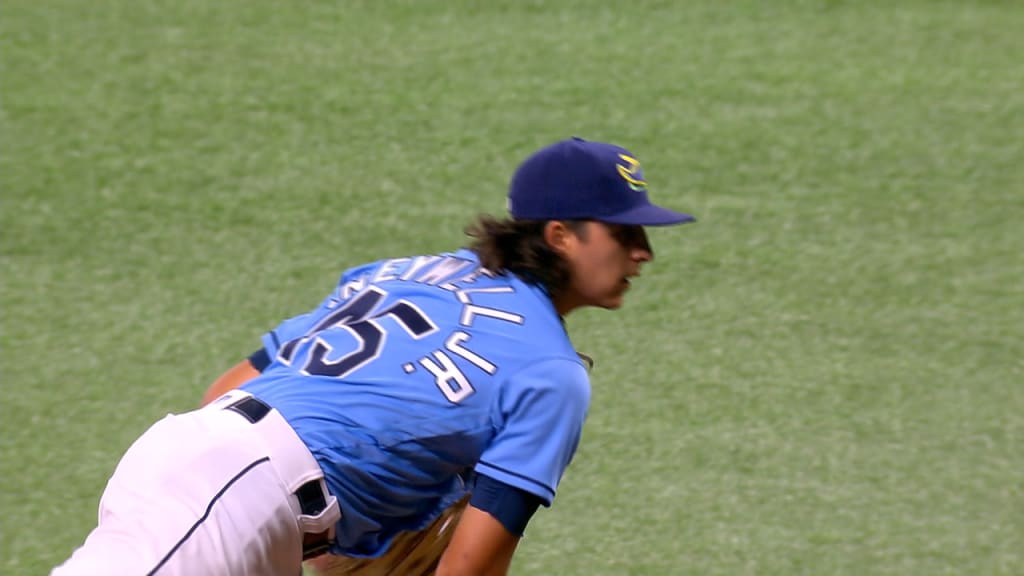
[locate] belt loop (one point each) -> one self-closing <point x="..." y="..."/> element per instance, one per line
<point x="251" y="408"/>
<point x="311" y="498"/>
<point x="319" y="509"/>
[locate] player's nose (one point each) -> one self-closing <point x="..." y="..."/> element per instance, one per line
<point x="642" y="254"/>
<point x="640" y="247"/>
<point x="642" y="250"/>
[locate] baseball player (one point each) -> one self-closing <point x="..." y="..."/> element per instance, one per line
<point x="417" y="381"/>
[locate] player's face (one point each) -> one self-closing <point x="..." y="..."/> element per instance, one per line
<point x="602" y="258"/>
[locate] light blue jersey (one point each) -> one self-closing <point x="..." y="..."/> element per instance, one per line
<point x="416" y="370"/>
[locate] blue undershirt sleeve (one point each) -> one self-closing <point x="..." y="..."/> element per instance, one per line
<point x="509" y="505"/>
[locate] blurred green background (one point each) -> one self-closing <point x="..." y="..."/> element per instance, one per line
<point x="822" y="376"/>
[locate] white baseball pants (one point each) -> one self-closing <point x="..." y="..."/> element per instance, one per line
<point x="206" y="493"/>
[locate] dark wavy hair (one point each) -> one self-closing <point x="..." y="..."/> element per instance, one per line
<point x="518" y="246"/>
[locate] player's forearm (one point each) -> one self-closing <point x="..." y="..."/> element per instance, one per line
<point x="481" y="546"/>
<point x="466" y="570"/>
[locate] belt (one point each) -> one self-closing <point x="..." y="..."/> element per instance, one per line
<point x="312" y="500"/>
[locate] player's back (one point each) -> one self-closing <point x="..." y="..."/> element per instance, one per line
<point x="402" y="378"/>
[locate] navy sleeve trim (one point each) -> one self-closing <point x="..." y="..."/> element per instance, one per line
<point x="518" y="475"/>
<point x="259" y="359"/>
<point x="509" y="505"/>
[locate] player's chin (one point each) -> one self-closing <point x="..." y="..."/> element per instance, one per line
<point x="611" y="299"/>
<point x="613" y="302"/>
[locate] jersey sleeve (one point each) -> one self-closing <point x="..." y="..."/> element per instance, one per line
<point x="289" y="329"/>
<point x="541" y="409"/>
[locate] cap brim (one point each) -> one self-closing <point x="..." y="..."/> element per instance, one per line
<point x="649" y="215"/>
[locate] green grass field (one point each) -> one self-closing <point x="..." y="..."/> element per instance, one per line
<point x="823" y="376"/>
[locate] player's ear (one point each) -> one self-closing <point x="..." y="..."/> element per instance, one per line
<point x="559" y="236"/>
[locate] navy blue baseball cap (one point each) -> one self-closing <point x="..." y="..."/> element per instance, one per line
<point x="577" y="179"/>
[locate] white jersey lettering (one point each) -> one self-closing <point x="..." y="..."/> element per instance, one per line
<point x="418" y="263"/>
<point x="449" y="379"/>
<point x="444" y="269"/>
<point x="454" y="344"/>
<point x="389" y="270"/>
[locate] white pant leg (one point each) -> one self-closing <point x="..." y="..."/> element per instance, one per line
<point x="195" y="495"/>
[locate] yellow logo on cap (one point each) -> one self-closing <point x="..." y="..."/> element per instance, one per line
<point x="632" y="173"/>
